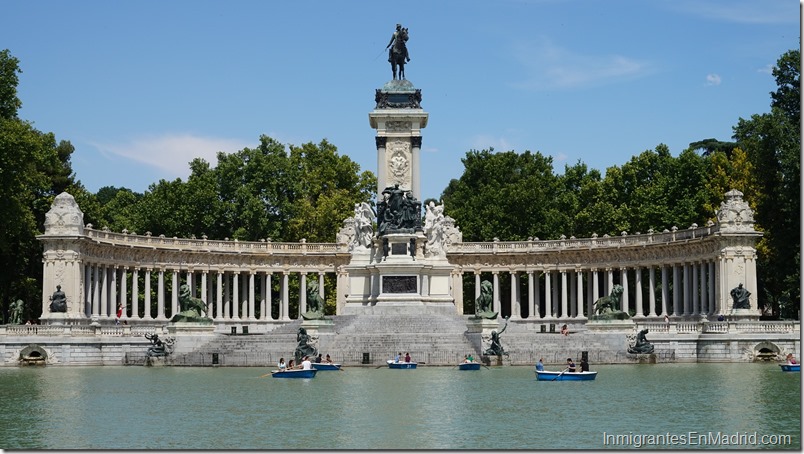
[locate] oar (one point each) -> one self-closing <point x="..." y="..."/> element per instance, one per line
<point x="562" y="373"/>
<point x="269" y="373"/>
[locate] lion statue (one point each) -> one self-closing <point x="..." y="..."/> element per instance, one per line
<point x="484" y="303"/>
<point x="608" y="307"/>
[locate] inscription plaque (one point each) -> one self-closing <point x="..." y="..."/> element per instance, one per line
<point x="399" y="284"/>
<point x="399" y="249"/>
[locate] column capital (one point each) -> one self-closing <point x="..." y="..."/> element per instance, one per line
<point x="380" y="141"/>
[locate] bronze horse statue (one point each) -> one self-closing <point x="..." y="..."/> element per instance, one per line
<point x="399" y="53"/>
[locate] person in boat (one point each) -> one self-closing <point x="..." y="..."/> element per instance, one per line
<point x="328" y="360"/>
<point x="470" y="358"/>
<point x="398" y="357"/>
<point x="290" y="364"/>
<point x="306" y="364"/>
<point x="540" y="364"/>
<point x="791" y="359"/>
<point x="570" y="365"/>
<point x="565" y="330"/>
<point x="407" y="357"/>
<point x="319" y="359"/>
<point x="584" y="365"/>
<point x="281" y="364"/>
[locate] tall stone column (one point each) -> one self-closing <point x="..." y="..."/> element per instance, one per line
<point x="564" y="305"/>
<point x="251" y="295"/>
<point x="579" y="300"/>
<point x="496" y="284"/>
<point x="219" y="296"/>
<point x="285" y="296"/>
<point x="548" y="292"/>
<point x="160" y="295"/>
<point x="135" y="293"/>
<point x="398" y="118"/>
<point x="652" y="290"/>
<point x="531" y="298"/>
<point x="516" y="309"/>
<point x="236" y="295"/>
<point x="147" y="301"/>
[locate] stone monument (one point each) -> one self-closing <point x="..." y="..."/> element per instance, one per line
<point x="399" y="268"/>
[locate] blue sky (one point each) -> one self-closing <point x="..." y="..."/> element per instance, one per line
<point x="142" y="87"/>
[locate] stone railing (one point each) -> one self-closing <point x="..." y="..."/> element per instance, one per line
<point x="724" y="327"/>
<point x="668" y="236"/>
<point x="81" y="330"/>
<point x="206" y="245"/>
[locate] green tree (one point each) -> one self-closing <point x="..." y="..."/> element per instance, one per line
<point x="34" y="168"/>
<point x="507" y="195"/>
<point x="772" y="143"/>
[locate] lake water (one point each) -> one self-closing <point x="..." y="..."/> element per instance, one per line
<point x="167" y="408"/>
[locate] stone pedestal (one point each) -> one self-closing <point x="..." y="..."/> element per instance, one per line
<point x="190" y="328"/>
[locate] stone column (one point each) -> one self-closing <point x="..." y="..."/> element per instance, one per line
<point x="251" y="295"/>
<point x="652" y="290"/>
<point x="695" y="300"/>
<point x="564" y="305"/>
<point x="219" y="295"/>
<point x="174" y="292"/>
<point x="285" y="296"/>
<point x="321" y="286"/>
<point x="302" y="293"/>
<point x="96" y="293"/>
<point x="531" y="300"/>
<point x="548" y="301"/>
<point x="579" y="300"/>
<point x="236" y="295"/>
<point x="665" y="292"/>
<point x="516" y="308"/>
<point x="640" y="312"/>
<point x="686" y="290"/>
<point x="380" y="143"/>
<point x="264" y="307"/>
<point x="227" y="295"/>
<point x="624" y="279"/>
<point x="160" y="296"/>
<point x="477" y="287"/>
<point x="496" y="302"/>
<point x="711" y="289"/>
<point x="147" y="301"/>
<point x="104" y="290"/>
<point x="113" y="291"/>
<point x="416" y="146"/>
<point x="135" y="291"/>
<point x="206" y="292"/>
<point x="537" y="296"/>
<point x="677" y="311"/>
<point x="124" y="293"/>
<point x="703" y="289"/>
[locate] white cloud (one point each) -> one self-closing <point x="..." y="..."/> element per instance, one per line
<point x="172" y="153"/>
<point x="712" y="79"/>
<point x="553" y="67"/>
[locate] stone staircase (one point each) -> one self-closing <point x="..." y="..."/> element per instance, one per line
<point x="431" y="339"/>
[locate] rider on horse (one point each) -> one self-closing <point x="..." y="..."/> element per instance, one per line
<point x="400" y="44"/>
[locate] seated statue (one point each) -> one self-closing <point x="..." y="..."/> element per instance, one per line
<point x="192" y="309"/>
<point x="641" y="345"/>
<point x="315" y="304"/>
<point x="739" y="296"/>
<point x="304" y="346"/>
<point x="608" y="307"/>
<point x="58" y="301"/>
<point x="484" y="304"/>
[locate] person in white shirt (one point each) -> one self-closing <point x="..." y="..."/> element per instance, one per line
<point x="281" y="364"/>
<point x="306" y="364"/>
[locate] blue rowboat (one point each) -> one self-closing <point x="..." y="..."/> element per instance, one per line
<point x="469" y="366"/>
<point x="326" y="366"/>
<point x="791" y="367"/>
<point x="543" y="375"/>
<point x="401" y="364"/>
<point x="294" y="373"/>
